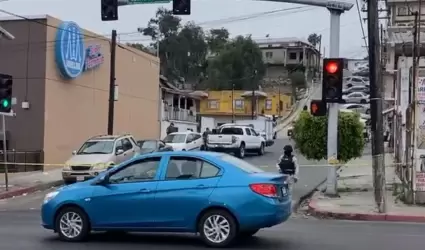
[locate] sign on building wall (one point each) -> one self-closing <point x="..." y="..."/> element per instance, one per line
<point x="72" y="57"/>
<point x="420" y="92"/>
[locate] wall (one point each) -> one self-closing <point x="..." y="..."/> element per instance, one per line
<point x="24" y="59"/>
<point x="78" y="109"/>
<point x="224" y="99"/>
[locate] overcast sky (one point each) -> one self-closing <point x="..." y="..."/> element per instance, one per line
<point x="240" y="17"/>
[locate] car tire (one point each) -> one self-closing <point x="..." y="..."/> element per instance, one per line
<point x="247" y="234"/>
<point x="227" y="222"/>
<point x="241" y="151"/>
<point x="261" y="149"/>
<point x="79" y="219"/>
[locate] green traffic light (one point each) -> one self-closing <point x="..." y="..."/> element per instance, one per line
<point x="5" y="103"/>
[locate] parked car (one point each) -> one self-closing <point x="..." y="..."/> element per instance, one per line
<point x="361" y="108"/>
<point x="236" y="139"/>
<point x="97" y="154"/>
<point x="356" y="97"/>
<point x="184" y="141"/>
<point x="150" y="146"/>
<point x="355" y="81"/>
<point x="191" y="192"/>
<point x="365" y="89"/>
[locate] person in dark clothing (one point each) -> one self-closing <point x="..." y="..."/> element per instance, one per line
<point x="305" y="108"/>
<point x="170" y="129"/>
<point x="288" y="164"/>
<point x="205" y="137"/>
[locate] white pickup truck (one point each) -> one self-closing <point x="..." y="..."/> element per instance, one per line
<point x="236" y="139"/>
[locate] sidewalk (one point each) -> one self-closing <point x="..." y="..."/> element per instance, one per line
<point x="356" y="199"/>
<point x="29" y="182"/>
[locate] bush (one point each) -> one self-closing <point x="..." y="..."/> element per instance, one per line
<point x="310" y="136"/>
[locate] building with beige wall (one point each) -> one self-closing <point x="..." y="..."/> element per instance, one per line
<point x="60" y="102"/>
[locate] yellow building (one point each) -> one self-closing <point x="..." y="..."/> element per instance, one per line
<point x="219" y="103"/>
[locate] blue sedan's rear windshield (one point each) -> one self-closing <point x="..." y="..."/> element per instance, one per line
<point x="241" y="164"/>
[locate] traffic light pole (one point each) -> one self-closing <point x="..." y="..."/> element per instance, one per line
<point x="331" y="182"/>
<point x="111" y="106"/>
<point x="6" y="175"/>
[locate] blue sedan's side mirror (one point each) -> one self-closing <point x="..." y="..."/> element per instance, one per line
<point x="103" y="180"/>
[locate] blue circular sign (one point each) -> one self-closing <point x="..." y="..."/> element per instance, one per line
<point x="70" y="50"/>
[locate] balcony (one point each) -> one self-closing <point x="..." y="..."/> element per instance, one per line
<point x="185" y="115"/>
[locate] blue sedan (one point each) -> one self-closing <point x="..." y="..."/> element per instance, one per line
<point x="217" y="196"/>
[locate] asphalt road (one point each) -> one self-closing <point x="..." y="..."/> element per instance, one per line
<point x="21" y="230"/>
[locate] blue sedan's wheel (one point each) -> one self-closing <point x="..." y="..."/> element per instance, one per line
<point x="72" y="224"/>
<point x="217" y="228"/>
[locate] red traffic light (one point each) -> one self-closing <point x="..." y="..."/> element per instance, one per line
<point x="332" y="67"/>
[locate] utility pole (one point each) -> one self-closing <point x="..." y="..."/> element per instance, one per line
<point x="378" y="163"/>
<point x="412" y="101"/>
<point x="320" y="55"/>
<point x="332" y="142"/>
<point x="112" y="84"/>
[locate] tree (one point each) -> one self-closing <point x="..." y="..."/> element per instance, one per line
<point x="310" y="136"/>
<point x="239" y="62"/>
<point x="298" y="81"/>
<point x="314" y="39"/>
<point x="217" y="39"/>
<point x="182" y="49"/>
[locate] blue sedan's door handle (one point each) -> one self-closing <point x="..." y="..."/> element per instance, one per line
<point x="201" y="186"/>
<point x="144" y="190"/>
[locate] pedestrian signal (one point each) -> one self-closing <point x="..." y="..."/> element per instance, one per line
<point x="317" y="108"/>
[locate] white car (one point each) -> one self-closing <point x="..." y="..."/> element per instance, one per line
<point x="236" y="139"/>
<point x="355" y="81"/>
<point x="184" y="141"/>
<point x="361" y="108"/>
<point x="356" y="97"/>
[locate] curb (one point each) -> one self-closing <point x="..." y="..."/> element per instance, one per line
<point x="297" y="204"/>
<point x="28" y="190"/>
<point x="315" y="211"/>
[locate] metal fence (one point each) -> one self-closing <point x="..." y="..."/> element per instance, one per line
<point x="22" y="161"/>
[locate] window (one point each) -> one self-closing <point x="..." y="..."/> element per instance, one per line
<point x="402" y="11"/>
<point x="96" y="147"/>
<point x="147" y="144"/>
<point x="269" y="54"/>
<point x="239" y="104"/>
<point x="231" y="131"/>
<point x="138" y="171"/>
<point x="301" y="55"/>
<point x="213" y="104"/>
<point x="196" y="136"/>
<point x="269" y="104"/>
<point x="356" y="80"/>
<point x="293" y="56"/>
<point x="189" y="138"/>
<point x="126" y="143"/>
<point x="254" y="133"/>
<point x="247" y="131"/>
<point x="189" y="168"/>
<point x="241" y="164"/>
